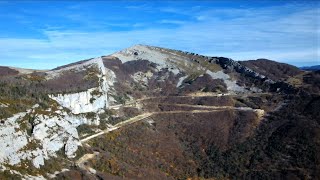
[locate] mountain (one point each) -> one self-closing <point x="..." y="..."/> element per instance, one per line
<point x="147" y="112"/>
<point x="311" y="68"/>
<point x="272" y="69"/>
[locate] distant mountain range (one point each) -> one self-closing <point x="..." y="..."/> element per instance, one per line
<point x="311" y="68"/>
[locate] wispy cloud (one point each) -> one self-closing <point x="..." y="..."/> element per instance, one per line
<point x="139" y="7"/>
<point x="171" y="10"/>
<point x="169" y="21"/>
<point x="240" y="33"/>
<point x="200" y="17"/>
<point x="187" y="11"/>
<point x="144" y="7"/>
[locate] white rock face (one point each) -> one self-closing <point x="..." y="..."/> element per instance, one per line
<point x="25" y="177"/>
<point x="82" y="102"/>
<point x="58" y="130"/>
<point x="39" y="158"/>
<point x="93" y="99"/>
<point x="71" y="147"/>
<point x="50" y="134"/>
<point x="231" y="85"/>
<point x="181" y="80"/>
<point x="54" y="131"/>
<point x="12" y="140"/>
<point x="141" y="77"/>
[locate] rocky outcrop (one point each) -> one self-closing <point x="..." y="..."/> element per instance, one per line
<point x="274" y="86"/>
<point x="190" y="64"/>
<point x="50" y="130"/>
<point x="142" y="78"/>
<point x="228" y="63"/>
<point x="231" y="84"/>
<point x="50" y="134"/>
<point x="93" y="99"/>
<point x="57" y="132"/>
<point x="88" y="101"/>
<point x="12" y="141"/>
<point x="275" y="71"/>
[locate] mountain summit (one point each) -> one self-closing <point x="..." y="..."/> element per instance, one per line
<point x="157" y="113"/>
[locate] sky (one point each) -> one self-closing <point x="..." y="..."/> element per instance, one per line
<point x="47" y="34"/>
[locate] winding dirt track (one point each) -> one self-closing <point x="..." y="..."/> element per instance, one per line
<point x="85" y="158"/>
<point x="204" y="109"/>
<point x="120" y="124"/>
<point x="148" y="114"/>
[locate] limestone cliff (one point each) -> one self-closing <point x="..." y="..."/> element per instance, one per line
<point x="93" y="99"/>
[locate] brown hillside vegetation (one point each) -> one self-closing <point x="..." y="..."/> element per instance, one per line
<point x="311" y="82"/>
<point x="226" y="143"/>
<point x="274" y="70"/>
<point x="6" y="71"/>
<point x="172" y="146"/>
<point x="218" y="144"/>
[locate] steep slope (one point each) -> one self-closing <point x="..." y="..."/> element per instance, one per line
<point x="184" y="67"/>
<point x="39" y="132"/>
<point x="92" y="99"/>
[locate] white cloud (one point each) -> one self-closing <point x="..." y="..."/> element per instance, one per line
<point x="251" y="34"/>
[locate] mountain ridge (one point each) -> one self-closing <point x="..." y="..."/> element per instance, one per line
<point x="311" y="68"/>
<point x="47" y="116"/>
<point x="131" y="47"/>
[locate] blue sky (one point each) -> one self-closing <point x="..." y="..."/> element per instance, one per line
<point x="43" y="35"/>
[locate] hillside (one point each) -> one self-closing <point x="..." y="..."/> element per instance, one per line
<point x="272" y="69"/>
<point x="148" y="112"/>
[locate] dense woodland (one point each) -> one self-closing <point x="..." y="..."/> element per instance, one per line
<point x="225" y="144"/>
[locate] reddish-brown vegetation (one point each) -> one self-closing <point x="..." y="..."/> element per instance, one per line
<point x="6" y="71"/>
<point x="273" y="70"/>
<point x="69" y="82"/>
<point x="204" y="83"/>
<point x="311" y="82"/>
<point x="170" y="146"/>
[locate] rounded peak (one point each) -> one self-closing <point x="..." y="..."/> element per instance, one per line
<point x="145" y="45"/>
<point x="137" y="49"/>
<point x="138" y="46"/>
